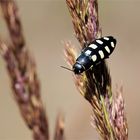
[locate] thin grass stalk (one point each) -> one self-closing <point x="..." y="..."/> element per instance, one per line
<point x="59" y="128"/>
<point x="95" y="84"/>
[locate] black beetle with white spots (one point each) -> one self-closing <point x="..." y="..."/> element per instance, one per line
<point x="94" y="53"/>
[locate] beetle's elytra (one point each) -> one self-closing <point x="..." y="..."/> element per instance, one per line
<point x="94" y="53"/>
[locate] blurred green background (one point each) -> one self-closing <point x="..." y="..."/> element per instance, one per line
<point x="46" y="23"/>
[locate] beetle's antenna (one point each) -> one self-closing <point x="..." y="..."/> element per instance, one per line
<point x="66" y="68"/>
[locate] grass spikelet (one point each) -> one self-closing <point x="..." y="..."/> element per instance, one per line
<point x="117" y="116"/>
<point x="23" y="77"/>
<point x="22" y="71"/>
<point x="94" y="85"/>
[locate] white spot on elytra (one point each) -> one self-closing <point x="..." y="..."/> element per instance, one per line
<point x="112" y="44"/>
<point x="99" y="41"/>
<point x="93" y="46"/>
<point x="106" y="38"/>
<point x="101" y="54"/>
<point x="107" y="49"/>
<point x="94" y="58"/>
<point x="87" y="52"/>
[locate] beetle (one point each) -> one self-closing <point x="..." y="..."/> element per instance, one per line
<point x="93" y="53"/>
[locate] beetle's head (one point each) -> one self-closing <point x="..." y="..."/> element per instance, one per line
<point x="78" y="68"/>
